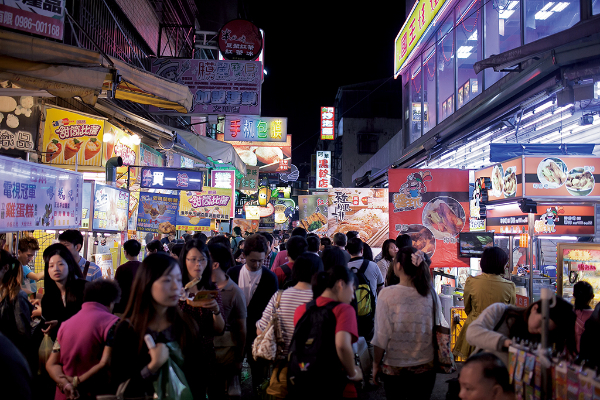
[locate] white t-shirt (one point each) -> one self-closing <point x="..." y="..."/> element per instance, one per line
<point x="248" y="282"/>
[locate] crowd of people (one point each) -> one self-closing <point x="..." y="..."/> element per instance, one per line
<point x="186" y="317"/>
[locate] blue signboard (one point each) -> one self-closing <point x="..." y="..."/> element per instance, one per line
<point x="157" y="212"/>
<point x="171" y="178"/>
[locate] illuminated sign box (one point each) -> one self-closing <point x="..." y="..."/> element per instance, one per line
<point x="323" y="169"/>
<point x="255" y="129"/>
<point x="327" y="123"/>
<point x="171" y="178"/>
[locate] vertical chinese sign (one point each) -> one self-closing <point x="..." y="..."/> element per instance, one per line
<point x="323" y="170"/>
<point x="432" y="207"/>
<point x="224" y="180"/>
<point x="41" y="17"/>
<point x="327" y="123"/>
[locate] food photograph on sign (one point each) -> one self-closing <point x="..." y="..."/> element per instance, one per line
<point x="111" y="208"/>
<point x="506" y="179"/>
<point x="157" y="213"/>
<point x="267" y="156"/>
<point x="19" y="120"/>
<point x="197" y="209"/>
<point x="313" y="213"/>
<point x="361" y="210"/>
<point x="561" y="176"/>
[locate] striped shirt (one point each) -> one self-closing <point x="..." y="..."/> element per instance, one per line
<point x="291" y="299"/>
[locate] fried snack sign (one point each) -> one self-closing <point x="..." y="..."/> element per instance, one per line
<point x="432" y="207"/>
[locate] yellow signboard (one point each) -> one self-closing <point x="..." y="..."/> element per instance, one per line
<point x="421" y="16"/>
<point x="71" y="137"/>
<point x="198" y="209"/>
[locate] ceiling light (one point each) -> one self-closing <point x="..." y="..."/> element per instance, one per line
<point x="543" y="15"/>
<point x="473" y="36"/>
<point x="559" y="110"/>
<point x="512" y="5"/>
<point x="547" y="6"/>
<point x="543" y="107"/>
<point x="464" y="52"/>
<point x="505" y="14"/>
<point x="553" y="122"/>
<point x="560" y="6"/>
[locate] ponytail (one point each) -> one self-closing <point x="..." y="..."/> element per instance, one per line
<point x="326" y="279"/>
<point x="419" y="274"/>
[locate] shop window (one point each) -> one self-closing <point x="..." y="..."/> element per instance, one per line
<point x="429" y="87"/>
<point x="596" y="7"/>
<point x="502" y="32"/>
<point x="416" y="97"/>
<point x="445" y="66"/>
<point x="468" y="50"/>
<point x="544" y="18"/>
<point x="367" y="143"/>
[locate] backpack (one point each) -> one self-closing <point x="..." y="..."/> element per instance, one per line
<point x="235" y="244"/>
<point x="287" y="282"/>
<point x="313" y="363"/>
<point x="365" y="301"/>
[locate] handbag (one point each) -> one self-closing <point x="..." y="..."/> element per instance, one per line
<point x="269" y="344"/>
<point x="121" y="394"/>
<point x="443" y="358"/>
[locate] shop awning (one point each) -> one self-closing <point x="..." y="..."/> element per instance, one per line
<point x="69" y="71"/>
<point x="215" y="149"/>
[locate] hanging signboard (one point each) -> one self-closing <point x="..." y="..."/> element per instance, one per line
<point x="255" y="129"/>
<point x="562" y="176"/>
<point x="506" y="179"/>
<point x="19" y="120"/>
<point x="70" y="137"/>
<point x="268" y="156"/>
<point x="86" y="205"/>
<point x="171" y="178"/>
<point x="224" y="179"/>
<point x="327" y="123"/>
<point x="248" y="182"/>
<point x="197" y="209"/>
<point x="111" y="209"/>
<point x="323" y="169"/>
<point x="432" y="206"/>
<point x="150" y="157"/>
<point x="313" y="213"/>
<point x="42" y="17"/>
<point x="38" y="197"/>
<point x="218" y="87"/>
<point x="240" y="40"/>
<point x="361" y="210"/>
<point x="248" y="227"/>
<point x="157" y="213"/>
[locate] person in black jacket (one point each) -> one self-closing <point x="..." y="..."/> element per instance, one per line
<point x="64" y="280"/>
<point x="258" y="284"/>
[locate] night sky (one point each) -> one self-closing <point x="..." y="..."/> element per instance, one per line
<point x="314" y="47"/>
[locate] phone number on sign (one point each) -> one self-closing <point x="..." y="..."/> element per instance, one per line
<point x="40" y="27"/>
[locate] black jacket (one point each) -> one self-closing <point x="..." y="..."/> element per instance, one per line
<point x="264" y="291"/>
<point x="15" y="321"/>
<point x="54" y="309"/>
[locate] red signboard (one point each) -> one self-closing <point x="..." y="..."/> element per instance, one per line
<point x="506" y="179"/>
<point x="432" y="206"/>
<point x="240" y="40"/>
<point x="43" y="18"/>
<point x="327" y="123"/>
<point x="562" y="176"/>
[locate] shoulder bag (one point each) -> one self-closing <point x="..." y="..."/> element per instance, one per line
<point x="269" y="344"/>
<point x="442" y="355"/>
<point x="121" y="394"/>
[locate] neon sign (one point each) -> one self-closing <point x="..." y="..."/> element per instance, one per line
<point x="255" y="129"/>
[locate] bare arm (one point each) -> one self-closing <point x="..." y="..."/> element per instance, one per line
<point x="96" y="368"/>
<point x="55" y="369"/>
<point x="378" y="353"/>
<point x="36" y="276"/>
<point x="343" y="346"/>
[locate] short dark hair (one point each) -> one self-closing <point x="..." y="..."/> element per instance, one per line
<point x="351" y="234"/>
<point x="28" y="243"/>
<point x="305" y="266"/>
<point x="268" y="236"/>
<point x="132" y="247"/>
<point x="200" y="236"/>
<point x="313" y="243"/>
<point x="403" y="240"/>
<point x="103" y="291"/>
<point x="256" y="242"/>
<point x="354" y="246"/>
<point x="492" y="368"/>
<point x="385" y="249"/>
<point x="237" y="230"/>
<point x="155" y="245"/>
<point x="367" y="252"/>
<point x="583" y="293"/>
<point x="186" y="237"/>
<point x="325" y="241"/>
<point x="177" y="248"/>
<point x="333" y="256"/>
<point x="221" y="239"/>
<point x="493" y="260"/>
<point x="339" y="239"/>
<point x="222" y="255"/>
<point x="296" y="246"/>
<point x="72" y="236"/>
<point x="299" y="232"/>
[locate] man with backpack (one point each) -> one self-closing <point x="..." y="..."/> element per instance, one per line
<point x="370" y="282"/>
<point x="236" y="239"/>
<point x="295" y="247"/>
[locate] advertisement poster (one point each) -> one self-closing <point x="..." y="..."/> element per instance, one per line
<point x="105" y="262"/>
<point x="157" y="213"/>
<point x="86" y="204"/>
<point x="562" y="176"/>
<point x="19" y="120"/>
<point x="118" y="143"/>
<point x="432" y="206"/>
<point x="38" y="197"/>
<point x="549" y="220"/>
<point x="312" y="210"/>
<point x="150" y="157"/>
<point x="361" y="210"/>
<point x="42" y="17"/>
<point x="247" y="227"/>
<point x="134" y="201"/>
<point x="248" y="182"/>
<point x="255" y="129"/>
<point x="506" y="177"/>
<point x="70" y="137"/>
<point x="267" y="156"/>
<point x="218" y="87"/>
<point x="197" y="209"/>
<point x="111" y="209"/>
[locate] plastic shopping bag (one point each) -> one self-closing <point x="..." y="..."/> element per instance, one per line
<point x="171" y="383"/>
<point x="44" y="352"/>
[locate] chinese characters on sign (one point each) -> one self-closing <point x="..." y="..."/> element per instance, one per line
<point x="157" y="212"/>
<point x="255" y="129"/>
<point x="248" y="182"/>
<point x="196" y="209"/>
<point x="323" y="169"/>
<point x="224" y="179"/>
<point x="327" y="123"/>
<point x="171" y="178"/>
<point x="40" y="17"/>
<point x="240" y="40"/>
<point x="111" y="208"/>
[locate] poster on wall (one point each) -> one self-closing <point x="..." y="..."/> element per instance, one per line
<point x="361" y="210"/>
<point x="38" y="197"/>
<point x="198" y="209"/>
<point x="157" y="213"/>
<point x="71" y="138"/>
<point x="267" y="156"/>
<point x="432" y="206"/>
<point x="19" y="120"/>
<point x="312" y="211"/>
<point x="111" y="209"/>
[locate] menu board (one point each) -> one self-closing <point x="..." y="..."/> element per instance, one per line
<point x="197" y="209"/>
<point x="506" y="179"/>
<point x="549" y="220"/>
<point x="111" y="209"/>
<point x="432" y="206"/>
<point x="312" y="210"/>
<point x="361" y="210"/>
<point x="562" y="176"/>
<point x="157" y="213"/>
<point x="38" y="197"/>
<point x="71" y="137"/>
<point x="86" y="204"/>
